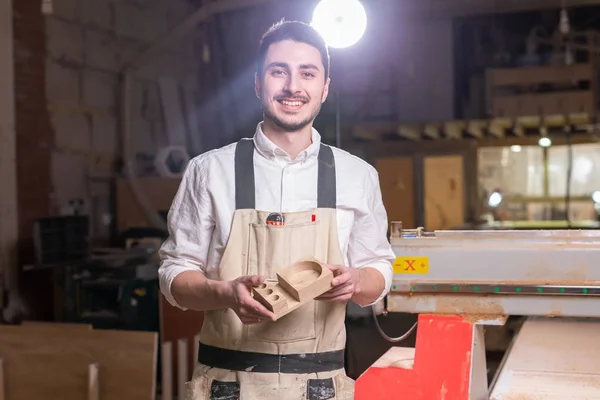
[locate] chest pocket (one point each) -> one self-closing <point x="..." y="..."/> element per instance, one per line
<point x="273" y="247"/>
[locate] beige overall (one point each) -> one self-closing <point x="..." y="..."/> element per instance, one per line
<point x="300" y="356"/>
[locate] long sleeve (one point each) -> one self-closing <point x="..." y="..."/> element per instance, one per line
<point x="190" y="224"/>
<point x="368" y="245"/>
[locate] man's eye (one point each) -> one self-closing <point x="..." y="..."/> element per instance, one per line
<point x="308" y="75"/>
<point x="277" y="72"/>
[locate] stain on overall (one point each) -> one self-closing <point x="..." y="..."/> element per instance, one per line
<point x="224" y="390"/>
<point x="320" y="389"/>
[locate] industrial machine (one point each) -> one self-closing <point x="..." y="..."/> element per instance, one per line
<point x="459" y="282"/>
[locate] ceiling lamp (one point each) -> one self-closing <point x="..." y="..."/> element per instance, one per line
<point x="341" y="22"/>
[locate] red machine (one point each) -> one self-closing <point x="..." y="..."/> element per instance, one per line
<point x="459" y="282"/>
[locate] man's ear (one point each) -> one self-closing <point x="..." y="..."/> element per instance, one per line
<point x="256" y="85"/>
<point x="326" y="90"/>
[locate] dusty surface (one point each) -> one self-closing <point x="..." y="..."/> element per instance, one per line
<point x="399" y="357"/>
<point x="552" y="359"/>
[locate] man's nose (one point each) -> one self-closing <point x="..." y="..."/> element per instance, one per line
<point x="293" y="84"/>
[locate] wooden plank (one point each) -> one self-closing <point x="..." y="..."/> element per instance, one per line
<point x="477" y="128"/>
<point x="8" y="166"/>
<point x="182" y="366"/>
<point x="552" y="359"/>
<point x="444" y="192"/>
<point x="432" y="131"/>
<point x="454" y="129"/>
<point x="397" y="189"/>
<point x="410" y="132"/>
<point x="540" y="74"/>
<point x="2" y="387"/>
<point x="93" y="382"/>
<point x="52" y="364"/>
<point x="566" y="102"/>
<point x="167" y="371"/>
<point x="58" y="326"/>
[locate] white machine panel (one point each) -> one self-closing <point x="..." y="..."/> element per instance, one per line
<point x="548" y="273"/>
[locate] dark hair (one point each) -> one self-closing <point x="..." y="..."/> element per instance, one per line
<point x="296" y="31"/>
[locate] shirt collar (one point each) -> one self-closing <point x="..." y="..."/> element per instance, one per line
<point x="271" y="151"/>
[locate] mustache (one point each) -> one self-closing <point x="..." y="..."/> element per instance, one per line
<point x="292" y="98"/>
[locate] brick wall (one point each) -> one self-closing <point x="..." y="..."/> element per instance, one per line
<point x="34" y="132"/>
<point x="34" y="143"/>
<point x="66" y="84"/>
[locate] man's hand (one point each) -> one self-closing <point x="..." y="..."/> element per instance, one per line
<point x="244" y="305"/>
<point x="345" y="284"/>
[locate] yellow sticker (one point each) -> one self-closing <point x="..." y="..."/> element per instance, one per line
<point x="411" y="265"/>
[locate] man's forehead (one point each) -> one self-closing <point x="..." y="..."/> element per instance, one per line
<point x="294" y="54"/>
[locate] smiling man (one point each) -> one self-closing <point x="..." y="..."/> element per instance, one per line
<point x="249" y="209"/>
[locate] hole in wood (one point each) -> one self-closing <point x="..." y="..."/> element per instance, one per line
<point x="275" y="297"/>
<point x="269" y="291"/>
<point x="304" y="273"/>
<point x="262" y="286"/>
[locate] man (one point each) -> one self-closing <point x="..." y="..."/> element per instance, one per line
<point x="246" y="210"/>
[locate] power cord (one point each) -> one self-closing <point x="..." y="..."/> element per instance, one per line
<point x="389" y="338"/>
<point x="569" y="173"/>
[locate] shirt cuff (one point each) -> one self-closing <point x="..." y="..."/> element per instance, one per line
<point x="166" y="277"/>
<point x="385" y="268"/>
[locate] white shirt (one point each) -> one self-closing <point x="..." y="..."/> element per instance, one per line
<point x="201" y="214"/>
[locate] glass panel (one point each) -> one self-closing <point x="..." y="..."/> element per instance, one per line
<point x="515" y="170"/>
<point x="585" y="174"/>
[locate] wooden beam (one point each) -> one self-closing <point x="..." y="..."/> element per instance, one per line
<point x="540" y="74"/>
<point x="454" y="129"/>
<point x="410" y="132"/>
<point x="367" y="132"/>
<point x="499" y="126"/>
<point x="8" y="156"/>
<point x="581" y="138"/>
<point x="432" y="131"/>
<point x="477" y="128"/>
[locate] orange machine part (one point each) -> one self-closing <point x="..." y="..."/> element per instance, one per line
<point x="442" y="365"/>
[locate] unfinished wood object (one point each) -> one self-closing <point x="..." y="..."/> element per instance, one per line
<point x="93" y="382"/>
<point x="2" y="390"/>
<point x="182" y="366"/>
<point x="296" y="285"/>
<point x="167" y="371"/>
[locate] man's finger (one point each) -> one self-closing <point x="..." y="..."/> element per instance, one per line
<point x="341" y="279"/>
<point x="337" y="297"/>
<point x="342" y="290"/>
<point x="253" y="280"/>
<point x="335" y="268"/>
<point x="254" y="308"/>
<point x="345" y="287"/>
<point x="258" y="310"/>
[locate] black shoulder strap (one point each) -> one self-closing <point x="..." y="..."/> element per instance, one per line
<point x="244" y="175"/>
<point x="326" y="189"/>
<point x="245" y="197"/>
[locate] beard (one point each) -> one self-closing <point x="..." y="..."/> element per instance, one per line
<point x="289" y="126"/>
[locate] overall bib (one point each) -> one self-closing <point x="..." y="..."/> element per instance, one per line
<point x="300" y="356"/>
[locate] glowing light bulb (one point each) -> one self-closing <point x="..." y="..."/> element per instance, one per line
<point x="341" y="22"/>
